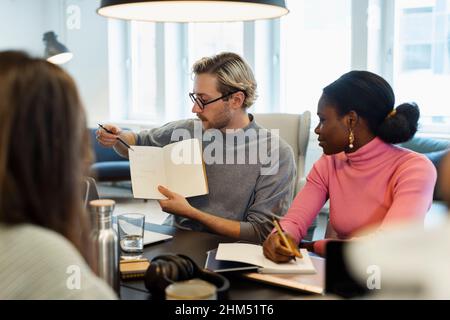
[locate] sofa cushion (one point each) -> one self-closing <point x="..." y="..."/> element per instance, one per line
<point x="108" y="165"/>
<point x="433" y="149"/>
<point x="101" y="153"/>
<point x="426" y="145"/>
<point x="111" y="170"/>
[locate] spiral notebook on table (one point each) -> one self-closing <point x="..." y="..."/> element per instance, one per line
<point x="215" y="265"/>
<point x="311" y="282"/>
<point x="252" y="255"/>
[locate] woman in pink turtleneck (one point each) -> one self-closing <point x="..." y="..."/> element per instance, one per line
<point x="369" y="181"/>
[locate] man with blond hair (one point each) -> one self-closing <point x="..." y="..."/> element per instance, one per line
<point x="245" y="192"/>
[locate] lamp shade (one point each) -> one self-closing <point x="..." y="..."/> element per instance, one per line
<point x="192" y="11"/>
<point x="55" y="52"/>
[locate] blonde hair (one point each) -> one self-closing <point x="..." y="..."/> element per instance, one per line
<point x="232" y="73"/>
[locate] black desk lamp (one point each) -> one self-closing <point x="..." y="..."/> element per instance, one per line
<point x="55" y="52"/>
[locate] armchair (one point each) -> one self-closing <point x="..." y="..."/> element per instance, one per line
<point x="294" y="129"/>
<point x="108" y="165"/>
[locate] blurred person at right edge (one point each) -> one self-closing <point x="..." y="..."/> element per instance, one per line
<point x="411" y="263"/>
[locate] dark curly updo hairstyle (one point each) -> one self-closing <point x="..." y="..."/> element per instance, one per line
<point x="373" y="99"/>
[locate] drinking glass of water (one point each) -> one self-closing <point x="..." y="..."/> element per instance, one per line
<point x="131" y="235"/>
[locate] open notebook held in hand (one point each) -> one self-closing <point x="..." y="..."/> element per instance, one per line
<point x="178" y="167"/>
<point x="253" y="254"/>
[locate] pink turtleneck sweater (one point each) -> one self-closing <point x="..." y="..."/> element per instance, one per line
<point x="377" y="185"/>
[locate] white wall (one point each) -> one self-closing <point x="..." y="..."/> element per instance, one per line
<point x="23" y="23"/>
<point x="90" y="64"/>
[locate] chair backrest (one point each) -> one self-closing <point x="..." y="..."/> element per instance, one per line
<point x="294" y="129"/>
<point x="91" y="192"/>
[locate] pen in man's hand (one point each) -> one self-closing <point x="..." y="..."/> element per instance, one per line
<point x="118" y="138"/>
<point x="295" y="252"/>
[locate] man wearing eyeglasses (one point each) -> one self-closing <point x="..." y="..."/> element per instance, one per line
<point x="243" y="196"/>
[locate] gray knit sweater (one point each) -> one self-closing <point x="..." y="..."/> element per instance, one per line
<point x="241" y="190"/>
<point x="39" y="264"/>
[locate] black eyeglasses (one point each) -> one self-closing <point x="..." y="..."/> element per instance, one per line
<point x="202" y="104"/>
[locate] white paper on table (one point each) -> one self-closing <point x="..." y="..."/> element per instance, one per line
<point x="253" y="254"/>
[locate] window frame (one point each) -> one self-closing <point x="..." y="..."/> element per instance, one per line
<point x="371" y="49"/>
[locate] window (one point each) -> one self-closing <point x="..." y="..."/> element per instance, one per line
<point x="161" y="57"/>
<point x="207" y="39"/>
<point x="144" y="86"/>
<point x="405" y="41"/>
<point x="422" y="59"/>
<point x="316" y="50"/>
<point x="416" y="57"/>
<point x="293" y="58"/>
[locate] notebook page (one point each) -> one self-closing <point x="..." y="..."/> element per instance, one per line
<point x="147" y="172"/>
<point x="184" y="168"/>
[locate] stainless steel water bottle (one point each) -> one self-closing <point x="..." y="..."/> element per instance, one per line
<point x="106" y="241"/>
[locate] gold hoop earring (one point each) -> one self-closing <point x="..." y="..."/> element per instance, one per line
<point x="351" y="139"/>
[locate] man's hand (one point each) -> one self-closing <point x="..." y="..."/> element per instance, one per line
<point x="107" y="139"/>
<point x="274" y="249"/>
<point x="175" y="203"/>
<point x="178" y="205"/>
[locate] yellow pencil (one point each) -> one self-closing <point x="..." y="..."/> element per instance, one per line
<point x="287" y="243"/>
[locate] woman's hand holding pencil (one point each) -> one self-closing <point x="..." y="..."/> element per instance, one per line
<point x="288" y="243"/>
<point x="280" y="247"/>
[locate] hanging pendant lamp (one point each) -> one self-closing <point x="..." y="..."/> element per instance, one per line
<point x="192" y="11"/>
